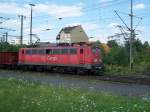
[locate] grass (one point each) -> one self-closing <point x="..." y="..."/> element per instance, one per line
<point x="24" y="96"/>
<point x="125" y="70"/>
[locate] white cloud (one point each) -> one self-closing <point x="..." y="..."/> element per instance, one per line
<point x="34" y="30"/>
<point x="113" y="25"/>
<point x="38" y="30"/>
<point x="139" y="6"/>
<point x="113" y="29"/>
<point x="86" y="26"/>
<point x="51" y="9"/>
<point x="60" y="10"/>
<point x="92" y="27"/>
<point x="13" y="9"/>
<point x="12" y="23"/>
<point x="143" y="33"/>
<point x="101" y="37"/>
<point x="103" y="1"/>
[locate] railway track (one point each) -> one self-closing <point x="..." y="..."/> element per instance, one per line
<point x="131" y="79"/>
<point x="90" y="83"/>
<point x="126" y="79"/>
<point x="139" y="79"/>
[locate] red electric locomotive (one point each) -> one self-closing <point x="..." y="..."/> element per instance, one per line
<point x="66" y="57"/>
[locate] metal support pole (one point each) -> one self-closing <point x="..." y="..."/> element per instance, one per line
<point x="21" y="29"/>
<point x="131" y="36"/>
<point x="31" y="24"/>
<point x="6" y="36"/>
<point x="3" y="38"/>
<point x="31" y="28"/>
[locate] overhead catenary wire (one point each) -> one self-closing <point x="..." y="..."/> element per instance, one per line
<point x="95" y="8"/>
<point x="108" y="5"/>
<point x="98" y="6"/>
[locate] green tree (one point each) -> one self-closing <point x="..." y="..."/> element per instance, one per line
<point x="118" y="54"/>
<point x="9" y="47"/>
<point x="112" y="44"/>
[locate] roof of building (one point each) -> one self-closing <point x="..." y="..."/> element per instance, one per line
<point x="69" y="28"/>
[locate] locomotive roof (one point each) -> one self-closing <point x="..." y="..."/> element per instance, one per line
<point x="56" y="47"/>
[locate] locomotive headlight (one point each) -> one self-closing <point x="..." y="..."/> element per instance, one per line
<point x="95" y="60"/>
<point x="100" y="60"/>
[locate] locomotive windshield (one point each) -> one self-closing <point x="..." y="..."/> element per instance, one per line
<point x="95" y="50"/>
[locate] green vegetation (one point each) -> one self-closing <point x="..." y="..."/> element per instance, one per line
<point x="117" y="60"/>
<point x="9" y="47"/>
<point x="24" y="96"/>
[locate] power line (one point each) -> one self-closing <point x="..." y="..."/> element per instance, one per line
<point x="107" y="4"/>
<point x="131" y="29"/>
<point x="7" y="29"/>
<point x="122" y="20"/>
<point x="97" y="6"/>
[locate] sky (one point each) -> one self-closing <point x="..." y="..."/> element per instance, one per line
<point x="97" y="17"/>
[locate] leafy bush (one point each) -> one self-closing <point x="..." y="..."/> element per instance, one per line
<point x="118" y="70"/>
<point x="9" y="47"/>
<point x="117" y="61"/>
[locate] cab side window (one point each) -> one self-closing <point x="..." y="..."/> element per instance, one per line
<point x="49" y="51"/>
<point x="41" y="51"/>
<point x="22" y="52"/>
<point x="81" y="51"/>
<point x="64" y="51"/>
<point x="34" y="51"/>
<point x="56" y="51"/>
<point x="28" y="52"/>
<point x="73" y="51"/>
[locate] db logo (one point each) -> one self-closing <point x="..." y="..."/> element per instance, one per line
<point x="52" y="58"/>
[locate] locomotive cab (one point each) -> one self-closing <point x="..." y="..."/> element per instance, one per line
<point x="96" y="59"/>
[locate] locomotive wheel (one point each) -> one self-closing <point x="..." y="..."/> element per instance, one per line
<point x="25" y="68"/>
<point x="95" y="72"/>
<point x="39" y="69"/>
<point x="80" y="71"/>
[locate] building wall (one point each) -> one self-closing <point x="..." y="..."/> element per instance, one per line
<point x="65" y="37"/>
<point x="78" y="35"/>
